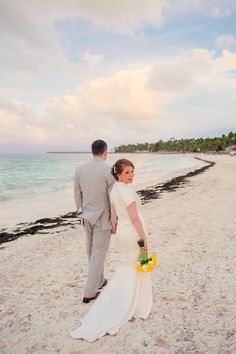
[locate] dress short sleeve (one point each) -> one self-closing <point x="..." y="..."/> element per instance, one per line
<point x="128" y="196"/>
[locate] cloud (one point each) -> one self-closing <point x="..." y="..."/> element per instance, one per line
<point x="182" y="94"/>
<point x="30" y="41"/>
<point x="140" y="100"/>
<point x="31" y="44"/>
<point x="179" y="74"/>
<point x="121" y="98"/>
<point x="71" y="101"/>
<point x="227" y="61"/>
<point x="21" y="112"/>
<point x="211" y="8"/>
<point x="19" y="123"/>
<point x="91" y="58"/>
<point x="225" y="41"/>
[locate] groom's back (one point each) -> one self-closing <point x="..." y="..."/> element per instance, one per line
<point x="93" y="181"/>
<point x="93" y="178"/>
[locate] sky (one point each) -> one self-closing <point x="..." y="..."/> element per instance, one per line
<point x="73" y="71"/>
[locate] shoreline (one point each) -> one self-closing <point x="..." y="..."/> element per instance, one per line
<point x="45" y="225"/>
<point x="50" y="196"/>
<point x="154" y="192"/>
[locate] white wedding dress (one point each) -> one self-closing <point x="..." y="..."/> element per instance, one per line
<point x="129" y="292"/>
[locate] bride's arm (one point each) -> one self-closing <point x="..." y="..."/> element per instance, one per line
<point x="113" y="219"/>
<point x="133" y="213"/>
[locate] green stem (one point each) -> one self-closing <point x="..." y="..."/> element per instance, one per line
<point x="144" y="257"/>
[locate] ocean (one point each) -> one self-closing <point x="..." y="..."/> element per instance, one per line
<point x="41" y="185"/>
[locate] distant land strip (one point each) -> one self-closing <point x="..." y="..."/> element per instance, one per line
<point x="68" y="152"/>
<point x="221" y="144"/>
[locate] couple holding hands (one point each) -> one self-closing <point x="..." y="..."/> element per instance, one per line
<point x="108" y="205"/>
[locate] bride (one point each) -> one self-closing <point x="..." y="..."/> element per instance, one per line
<point x="129" y="293"/>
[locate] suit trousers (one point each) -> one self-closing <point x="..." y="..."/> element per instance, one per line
<point x="97" y="243"/>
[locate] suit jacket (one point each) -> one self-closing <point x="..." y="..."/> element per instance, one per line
<point x="93" y="183"/>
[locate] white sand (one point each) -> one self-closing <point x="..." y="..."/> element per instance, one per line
<point x="193" y="231"/>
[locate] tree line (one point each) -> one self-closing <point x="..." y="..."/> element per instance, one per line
<point x="183" y="145"/>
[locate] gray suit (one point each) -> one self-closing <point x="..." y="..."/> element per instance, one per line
<point x="93" y="182"/>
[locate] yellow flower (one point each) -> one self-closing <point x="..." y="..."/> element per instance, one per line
<point x="139" y="268"/>
<point x="152" y="263"/>
<point x="154" y="260"/>
<point x="150" y="267"/>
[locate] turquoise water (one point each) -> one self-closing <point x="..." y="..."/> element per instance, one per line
<point x="41" y="185"/>
<point x="25" y="174"/>
<point x="22" y="175"/>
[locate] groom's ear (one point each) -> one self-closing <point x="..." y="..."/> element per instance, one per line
<point x="105" y="154"/>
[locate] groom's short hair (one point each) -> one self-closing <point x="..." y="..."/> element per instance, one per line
<point x="99" y="147"/>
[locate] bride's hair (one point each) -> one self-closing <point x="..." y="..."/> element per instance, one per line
<point x="119" y="165"/>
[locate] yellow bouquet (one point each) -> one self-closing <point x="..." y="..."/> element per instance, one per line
<point x="146" y="263"/>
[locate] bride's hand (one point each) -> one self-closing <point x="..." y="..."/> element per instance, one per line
<point x="113" y="229"/>
<point x="145" y="247"/>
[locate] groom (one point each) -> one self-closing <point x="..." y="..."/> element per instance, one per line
<point x="93" y="182"/>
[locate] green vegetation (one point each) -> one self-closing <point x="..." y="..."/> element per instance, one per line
<point x="183" y="145"/>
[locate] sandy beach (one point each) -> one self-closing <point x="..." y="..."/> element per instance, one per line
<point x="192" y="230"/>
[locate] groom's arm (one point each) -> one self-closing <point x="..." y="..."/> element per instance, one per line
<point x="78" y="192"/>
<point x="110" y="180"/>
